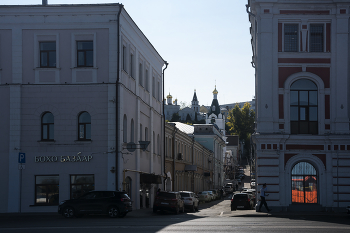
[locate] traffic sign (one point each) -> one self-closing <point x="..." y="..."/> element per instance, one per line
<point x="21" y="157"/>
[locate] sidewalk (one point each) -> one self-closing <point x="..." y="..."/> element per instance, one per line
<point x="237" y="213"/>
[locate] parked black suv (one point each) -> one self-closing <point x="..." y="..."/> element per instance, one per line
<point x="171" y="201"/>
<point x="242" y="201"/>
<point x="112" y="203"/>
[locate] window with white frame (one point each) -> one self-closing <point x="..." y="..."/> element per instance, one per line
<point x="47" y="190"/>
<point x="47" y="127"/>
<point x="154" y="87"/>
<point x="47" y="54"/>
<point x="146" y="134"/>
<point x="81" y="184"/>
<point x="131" y="65"/>
<point x="132" y="131"/>
<point x="303" y="107"/>
<point x="291" y="34"/>
<point x="141" y="132"/>
<point x="84" y="126"/>
<point x="146" y="80"/>
<point x="125" y="129"/>
<point x="85" y="53"/>
<point x="159" y="91"/>
<point x="124" y="58"/>
<point x="316" y="37"/>
<point x="140" y="74"/>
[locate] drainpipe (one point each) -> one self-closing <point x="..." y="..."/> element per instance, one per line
<point x="173" y="153"/>
<point x="166" y="66"/>
<point x="193" y="180"/>
<point x="117" y="101"/>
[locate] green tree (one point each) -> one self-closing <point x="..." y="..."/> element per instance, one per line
<point x="188" y="118"/>
<point x="241" y="123"/>
<point x="176" y="117"/>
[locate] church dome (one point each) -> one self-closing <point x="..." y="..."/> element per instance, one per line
<point x="215" y="92"/>
<point x="169" y="96"/>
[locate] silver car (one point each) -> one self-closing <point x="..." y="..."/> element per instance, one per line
<point x="204" y="196"/>
<point x="190" y="200"/>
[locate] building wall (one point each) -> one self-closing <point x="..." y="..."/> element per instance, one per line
<point x="278" y="149"/>
<point x="66" y="90"/>
<point x="193" y="153"/>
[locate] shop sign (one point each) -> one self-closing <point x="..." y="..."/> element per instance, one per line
<point x="74" y="158"/>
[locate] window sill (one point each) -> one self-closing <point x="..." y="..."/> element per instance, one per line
<point x="47" y="68"/>
<point x="83" y="141"/>
<point x="85" y="67"/>
<point x="46" y="142"/>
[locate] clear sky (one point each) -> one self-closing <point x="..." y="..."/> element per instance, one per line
<point x="205" y="42"/>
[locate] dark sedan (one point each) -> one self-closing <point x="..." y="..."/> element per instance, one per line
<point x="112" y="203"/>
<point x="242" y="201"/>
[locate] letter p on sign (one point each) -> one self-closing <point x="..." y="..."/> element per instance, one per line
<point x="21" y="158"/>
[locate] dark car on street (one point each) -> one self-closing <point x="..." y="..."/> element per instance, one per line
<point x="112" y="203"/>
<point x="242" y="201"/>
<point x="171" y="201"/>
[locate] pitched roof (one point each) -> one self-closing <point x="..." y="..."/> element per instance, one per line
<point x="188" y="129"/>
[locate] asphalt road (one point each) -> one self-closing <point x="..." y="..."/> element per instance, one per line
<point x="212" y="217"/>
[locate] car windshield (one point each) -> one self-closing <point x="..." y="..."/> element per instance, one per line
<point x="185" y="194"/>
<point x="167" y="195"/>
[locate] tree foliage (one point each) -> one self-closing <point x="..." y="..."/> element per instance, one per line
<point x="241" y="123"/>
<point x="176" y="117"/>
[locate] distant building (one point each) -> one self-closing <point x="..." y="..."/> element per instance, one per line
<point x="187" y="162"/>
<point x="192" y="112"/>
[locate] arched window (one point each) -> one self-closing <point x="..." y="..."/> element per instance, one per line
<point x="125" y="129"/>
<point x="303" y="107"/>
<point x="84" y="126"/>
<point x="47" y="127"/>
<point x="304" y="183"/>
<point x="132" y="131"/>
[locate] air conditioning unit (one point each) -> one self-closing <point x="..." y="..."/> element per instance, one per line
<point x="179" y="156"/>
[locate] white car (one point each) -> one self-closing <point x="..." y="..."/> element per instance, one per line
<point x="204" y="196"/>
<point x="212" y="195"/>
<point x="190" y="200"/>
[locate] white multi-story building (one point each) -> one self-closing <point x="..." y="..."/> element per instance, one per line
<point x="301" y="58"/>
<point x="77" y="83"/>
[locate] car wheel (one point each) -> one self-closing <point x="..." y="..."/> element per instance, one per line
<point x="197" y="208"/>
<point x="113" y="212"/>
<point x="68" y="212"/>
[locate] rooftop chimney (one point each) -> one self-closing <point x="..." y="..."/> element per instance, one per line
<point x="44" y="2"/>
